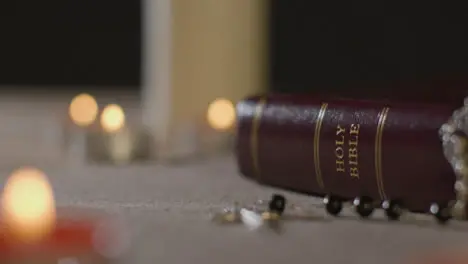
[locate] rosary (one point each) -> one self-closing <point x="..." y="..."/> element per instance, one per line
<point x="453" y="135"/>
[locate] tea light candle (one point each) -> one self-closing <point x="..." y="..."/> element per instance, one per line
<point x="121" y="142"/>
<point x="31" y="229"/>
<point x="28" y="207"/>
<point x="221" y="114"/>
<point x="112" y="118"/>
<point x="83" y="110"/>
<point x="221" y="117"/>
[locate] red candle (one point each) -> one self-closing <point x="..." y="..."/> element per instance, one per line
<point x="91" y="240"/>
<point x="454" y="256"/>
<point x="69" y="238"/>
<point x="32" y="229"/>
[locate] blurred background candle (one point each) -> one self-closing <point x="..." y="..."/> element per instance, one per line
<point x="83" y="112"/>
<point x="220" y="118"/>
<point x="31" y="228"/>
<point x="120" y="142"/>
<point x="183" y="75"/>
<point x="221" y="114"/>
<point x="121" y="139"/>
<point x="112" y="118"/>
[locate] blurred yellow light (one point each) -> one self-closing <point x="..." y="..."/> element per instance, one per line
<point x="28" y="205"/>
<point x="221" y="114"/>
<point x="83" y="110"/>
<point x="112" y="118"/>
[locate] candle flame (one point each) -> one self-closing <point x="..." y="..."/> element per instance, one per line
<point x="83" y="110"/>
<point x="112" y="118"/>
<point x="28" y="206"/>
<point x="221" y="114"/>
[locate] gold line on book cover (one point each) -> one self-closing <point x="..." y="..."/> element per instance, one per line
<point x="254" y="135"/>
<point x="318" y="126"/>
<point x="378" y="152"/>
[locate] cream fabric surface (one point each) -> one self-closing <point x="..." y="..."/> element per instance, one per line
<point x="167" y="210"/>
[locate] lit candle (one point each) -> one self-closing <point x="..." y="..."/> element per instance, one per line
<point x="32" y="230"/>
<point x="221" y="117"/>
<point x="221" y="114"/>
<point x="112" y="118"/>
<point x="28" y="206"/>
<point x="83" y="110"/>
<point x="121" y="144"/>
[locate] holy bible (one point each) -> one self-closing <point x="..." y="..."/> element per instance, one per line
<point x="385" y="150"/>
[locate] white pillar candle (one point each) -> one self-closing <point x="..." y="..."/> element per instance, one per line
<point x="195" y="52"/>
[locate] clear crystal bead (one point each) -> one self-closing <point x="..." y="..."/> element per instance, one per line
<point x="453" y="161"/>
<point x="456" y="114"/>
<point x="460" y="187"/>
<point x="460" y="124"/>
<point x="454" y="147"/>
<point x="465" y="179"/>
<point x="449" y="149"/>
<point x="460" y="169"/>
<point x="445" y="137"/>
<point x="446" y="129"/>
<point x="464" y="110"/>
<point x="434" y="209"/>
<point x="459" y="144"/>
<point x="458" y="209"/>
<point x="460" y="118"/>
<point x="227" y="215"/>
<point x="464" y="128"/>
<point x="260" y="206"/>
<point x="251" y="219"/>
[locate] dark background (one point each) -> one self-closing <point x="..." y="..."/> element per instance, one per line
<point x="70" y="42"/>
<point x="368" y="47"/>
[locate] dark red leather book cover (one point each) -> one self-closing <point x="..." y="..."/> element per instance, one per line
<point x="347" y="148"/>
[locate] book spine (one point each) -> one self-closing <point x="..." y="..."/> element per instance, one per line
<point x="346" y="148"/>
